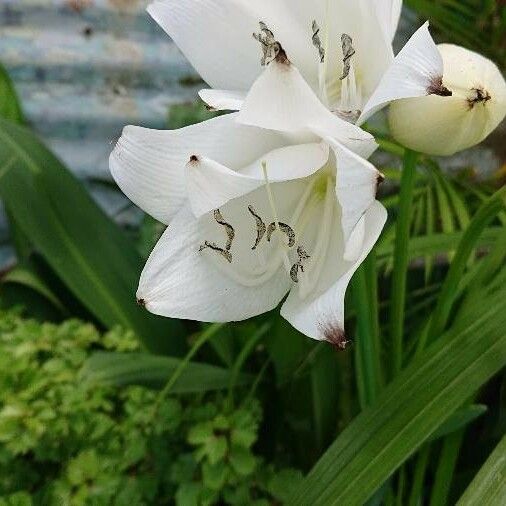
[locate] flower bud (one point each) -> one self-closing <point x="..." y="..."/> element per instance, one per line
<point x="444" y="125"/>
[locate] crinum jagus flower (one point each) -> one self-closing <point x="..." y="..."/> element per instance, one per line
<point x="341" y="48"/>
<point x="272" y="201"/>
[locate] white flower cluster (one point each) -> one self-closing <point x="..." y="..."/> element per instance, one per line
<point x="277" y="201"/>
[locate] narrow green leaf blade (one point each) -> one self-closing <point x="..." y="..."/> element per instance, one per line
<point x="489" y="485"/>
<point x="121" y="369"/>
<point x="408" y="411"/>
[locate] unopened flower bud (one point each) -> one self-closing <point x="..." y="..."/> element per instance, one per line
<point x="443" y="125"/>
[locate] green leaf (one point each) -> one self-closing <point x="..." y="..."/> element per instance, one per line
<point x="10" y="107"/>
<point x="215" y="475"/>
<point x="120" y="369"/>
<point x="82" y="245"/>
<point x="216" y="449"/>
<point x="242" y="460"/>
<point x="30" y="279"/>
<point x="460" y="419"/>
<point x="405" y="415"/>
<point x="489" y="485"/>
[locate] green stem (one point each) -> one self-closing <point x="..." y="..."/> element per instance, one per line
<point x="242" y="357"/>
<point x="446" y="469"/>
<point x="422" y="462"/>
<point x="209" y="333"/>
<point x="401" y="259"/>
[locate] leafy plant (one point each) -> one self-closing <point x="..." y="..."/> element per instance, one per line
<point x="65" y="441"/>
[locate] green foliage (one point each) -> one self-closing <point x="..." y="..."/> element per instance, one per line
<point x="84" y="247"/>
<point x="64" y="441"/>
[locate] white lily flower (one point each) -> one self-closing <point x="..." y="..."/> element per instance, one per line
<point x="243" y="230"/>
<point x="341" y="48"/>
<point x="273" y="200"/>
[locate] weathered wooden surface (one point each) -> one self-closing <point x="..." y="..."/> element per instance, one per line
<point x="86" y="68"/>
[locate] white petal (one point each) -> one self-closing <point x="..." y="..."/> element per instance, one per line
<point x="323" y="311"/>
<point x="374" y="53"/>
<point x="356" y="188"/>
<point x="211" y="185"/>
<point x="389" y="13"/>
<point x="414" y="69"/>
<point x="149" y="165"/>
<point x="281" y="100"/>
<point x="223" y="100"/>
<point x="181" y="282"/>
<point x="216" y="36"/>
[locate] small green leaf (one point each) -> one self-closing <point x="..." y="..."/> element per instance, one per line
<point x="215" y="475"/>
<point x="200" y="434"/>
<point x="242" y="460"/>
<point x="216" y="449"/>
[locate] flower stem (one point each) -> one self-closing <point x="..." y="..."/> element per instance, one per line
<point x="205" y="336"/>
<point x="401" y="259"/>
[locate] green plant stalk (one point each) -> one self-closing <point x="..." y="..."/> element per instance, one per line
<point x="210" y="332"/>
<point x="401" y="259"/>
<point x="242" y="357"/>
<point x="367" y="349"/>
<point x="446" y="468"/>
<point x="421" y="464"/>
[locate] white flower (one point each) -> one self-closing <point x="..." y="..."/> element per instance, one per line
<point x="444" y="125"/>
<point x="270" y="201"/>
<point x="342" y="48"/>
<point x="252" y="217"/>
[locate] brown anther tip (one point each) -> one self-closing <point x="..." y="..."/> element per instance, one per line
<point x="141" y="302"/>
<point x="194" y="159"/>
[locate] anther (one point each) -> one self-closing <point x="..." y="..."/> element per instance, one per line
<point x="213" y="246"/>
<point x="261" y="227"/>
<point x="271" y="48"/>
<point x="317" y="42"/>
<point x="299" y="265"/>
<point x="229" y="229"/>
<point x="348" y="52"/>
<point x="286" y="229"/>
